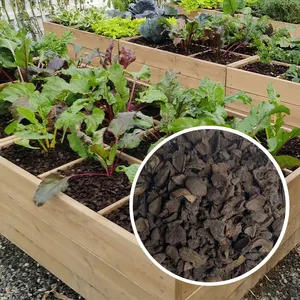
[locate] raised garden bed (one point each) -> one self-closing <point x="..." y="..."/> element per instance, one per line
<point x="189" y="68"/>
<point x="294" y="28"/>
<point x="89" y="252"/>
<point x="252" y="77"/>
<point x="89" y="41"/>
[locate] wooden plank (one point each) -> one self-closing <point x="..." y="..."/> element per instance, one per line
<point x="112" y="244"/>
<point x="157" y="74"/>
<point x="6" y="139"/>
<point x="75" y="257"/>
<point x="292" y="120"/>
<point x="251" y="281"/>
<point x="59" y="270"/>
<point x="293" y="28"/>
<point x="86" y="39"/>
<point x="184" y="65"/>
<point x="63" y="167"/>
<point x="257" y="84"/>
<point x="107" y="210"/>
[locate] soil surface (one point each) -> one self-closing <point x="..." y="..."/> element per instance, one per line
<point x="121" y="217"/>
<point x="142" y="41"/>
<point x="96" y="192"/>
<point x="193" y="49"/>
<point x="223" y="60"/>
<point x="142" y="150"/>
<point x="291" y="148"/>
<point x="4" y="122"/>
<point x="243" y="50"/>
<point x="10" y="73"/>
<point x="266" y="69"/>
<point x="36" y="161"/>
<point x="210" y="206"/>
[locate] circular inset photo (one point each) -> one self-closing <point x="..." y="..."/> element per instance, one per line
<point x="209" y="206"/>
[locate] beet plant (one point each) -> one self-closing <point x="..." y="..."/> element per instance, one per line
<point x="267" y="120"/>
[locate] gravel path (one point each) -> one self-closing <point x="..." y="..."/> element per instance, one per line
<point x="21" y="278"/>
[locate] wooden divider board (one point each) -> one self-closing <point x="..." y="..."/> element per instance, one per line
<point x="183" y="65"/>
<point x="291" y="121"/>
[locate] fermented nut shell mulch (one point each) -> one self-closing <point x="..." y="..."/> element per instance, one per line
<point x="210" y="205"/>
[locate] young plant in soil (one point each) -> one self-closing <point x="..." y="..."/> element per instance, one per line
<point x="185" y="108"/>
<point x="126" y="136"/>
<point x="183" y="35"/>
<point x="269" y="118"/>
<point x="293" y="74"/>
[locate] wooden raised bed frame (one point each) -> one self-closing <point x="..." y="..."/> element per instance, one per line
<point x="89" y="41"/>
<point x="96" y="257"/>
<point x="255" y="85"/>
<point x="293" y="28"/>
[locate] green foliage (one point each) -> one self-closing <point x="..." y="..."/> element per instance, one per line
<point x="156" y="30"/>
<point x="49" y="188"/>
<point x="193" y="5"/>
<point x="130" y="171"/>
<point x="117" y="27"/>
<point x="280" y="10"/>
<point x="281" y="46"/>
<point x="55" y="46"/>
<point x="293" y="74"/>
<point x="268" y="117"/>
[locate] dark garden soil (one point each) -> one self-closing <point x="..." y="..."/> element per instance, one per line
<point x="193" y="50"/>
<point x="244" y="50"/>
<point x="121" y="217"/>
<point x="4" y="122"/>
<point x="222" y="59"/>
<point x="265" y="69"/>
<point x="37" y="161"/>
<point x="291" y="148"/>
<point x="142" y="41"/>
<point x="210" y="206"/>
<point x="142" y="150"/>
<point x="96" y="192"/>
<point x="4" y="78"/>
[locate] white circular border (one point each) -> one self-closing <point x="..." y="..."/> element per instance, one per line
<point x="286" y="194"/>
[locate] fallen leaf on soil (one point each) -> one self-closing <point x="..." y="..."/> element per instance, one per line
<point x="56" y="295"/>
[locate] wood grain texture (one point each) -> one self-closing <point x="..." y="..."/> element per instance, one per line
<point x="183" y="65"/>
<point x="292" y="120"/>
<point x="110" y="243"/>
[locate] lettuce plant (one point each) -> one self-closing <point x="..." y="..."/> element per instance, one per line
<point x="117" y="27"/>
<point x="293" y="74"/>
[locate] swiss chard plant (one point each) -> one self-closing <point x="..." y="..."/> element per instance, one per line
<point x="266" y="121"/>
<point x="127" y="130"/>
<point x="185" y="108"/>
<point x="183" y="34"/>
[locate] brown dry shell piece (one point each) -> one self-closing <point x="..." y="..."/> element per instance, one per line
<point x="210" y="206"/>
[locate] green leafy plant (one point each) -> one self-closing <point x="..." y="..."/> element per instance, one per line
<point x="157" y="30"/>
<point x="183" y="34"/>
<point x="51" y="45"/>
<point x="193" y="5"/>
<point x="268" y="117"/>
<point x="184" y="108"/>
<point x="293" y="74"/>
<point x="117" y="27"/>
<point x="280" y="10"/>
